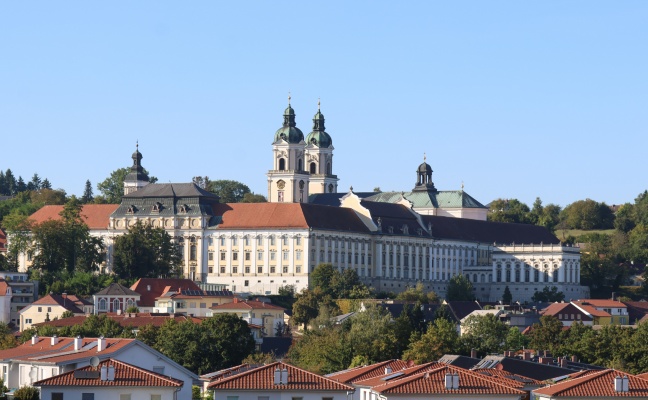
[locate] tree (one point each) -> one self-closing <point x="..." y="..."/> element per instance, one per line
<point x="46" y="184"/>
<point x="587" y="214"/>
<point x="307" y="305"/>
<point x="484" y="333"/>
<point x="459" y="289"/>
<point x="546" y="334"/>
<point x="507" y="297"/>
<point x="253" y="198"/>
<point x="322" y="278"/>
<point x="548" y="295"/>
<point x="87" y="193"/>
<point x="441" y="338"/>
<point x="418" y="293"/>
<point x="66" y="243"/>
<point x="509" y="210"/>
<point x="145" y="251"/>
<point x="515" y="340"/>
<point x="112" y="188"/>
<point x="625" y="219"/>
<point x="27" y="393"/>
<point x="229" y="191"/>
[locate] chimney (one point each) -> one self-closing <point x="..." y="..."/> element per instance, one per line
<point x="34" y="339"/>
<point x="618" y="385"/>
<point x="448" y="380"/>
<point x="104" y="373"/>
<point x="101" y="344"/>
<point x="235" y="299"/>
<point x="574" y="359"/>
<point x="284" y="376"/>
<point x="473" y="353"/>
<point x="625" y="384"/>
<point x="388" y="370"/>
<point x="111" y="373"/>
<point x="455" y="381"/>
<point x="277" y="376"/>
<point x="563" y="362"/>
<point x="526" y="356"/>
<point x="54" y="340"/>
<point x="77" y="343"/>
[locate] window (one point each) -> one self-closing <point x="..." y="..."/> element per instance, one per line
<point x="210" y="256"/>
<point x="260" y="255"/>
<point x="247" y="256"/>
<point x="298" y="241"/>
<point x="263" y="398"/>
<point x="234" y="241"/>
<point x="222" y="256"/>
<point x="211" y="269"/>
<point x="272" y="240"/>
<point x="246" y="283"/>
<point x="273" y="256"/>
<point x="102" y="304"/>
<point x="203" y="305"/>
<point x="57" y="396"/>
<point x="272" y="270"/>
<point x="298" y="255"/>
<point x="285" y="240"/>
<point x="260" y="269"/>
<point x="87" y="396"/>
<point x="125" y="396"/>
<point x="298" y="269"/>
<point x="192" y="252"/>
<point x="28" y="320"/>
<point x="222" y="241"/>
<point x="40" y="309"/>
<point x="247" y="269"/>
<point x="116" y="305"/>
<point x="285" y="270"/>
<point x="235" y="270"/>
<point x="235" y="256"/>
<point x="247" y="241"/>
<point x="222" y="270"/>
<point x="285" y="256"/>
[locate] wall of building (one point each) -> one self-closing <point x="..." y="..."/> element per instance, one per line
<point x="109" y="393"/>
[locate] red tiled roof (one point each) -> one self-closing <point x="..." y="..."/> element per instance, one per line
<point x="246" y="305"/>
<point x="42" y="346"/>
<point x="88" y="349"/>
<point x="592" y="310"/>
<point x="602" y="303"/>
<point x="125" y="375"/>
<point x="396" y="374"/>
<point x="157" y="286"/>
<point x="67" y="302"/>
<point x="96" y="216"/>
<point x="643" y="376"/>
<point x="470" y="383"/>
<point x="262" y="378"/>
<point x="508" y="378"/>
<point x="3" y="287"/>
<point x="356" y="374"/>
<point x="597" y="385"/>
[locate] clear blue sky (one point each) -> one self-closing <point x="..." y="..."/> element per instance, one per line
<point x="515" y="99"/>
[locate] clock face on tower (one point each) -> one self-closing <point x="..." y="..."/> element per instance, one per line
<point x="281" y="184"/>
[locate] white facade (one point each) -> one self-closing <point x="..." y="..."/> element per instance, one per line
<point x="279" y="395"/>
<point x="111" y="393"/>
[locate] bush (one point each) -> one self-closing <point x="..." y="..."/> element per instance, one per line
<point x="26" y="393"/>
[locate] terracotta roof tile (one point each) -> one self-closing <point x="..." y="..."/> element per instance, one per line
<point x="41" y="347"/>
<point x="96" y="216"/>
<point x="3" y="287"/>
<point x="434" y="382"/>
<point x="508" y="378"/>
<point x="125" y="375"/>
<point x="602" y="303"/>
<point x="356" y="374"/>
<point x="152" y="288"/>
<point x="262" y="378"/>
<point x="88" y="349"/>
<point x="246" y="305"/>
<point x="600" y="384"/>
<point x="66" y="302"/>
<point x="396" y="374"/>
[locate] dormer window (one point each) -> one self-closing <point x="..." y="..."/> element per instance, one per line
<point x="390" y="229"/>
<point x="405" y="230"/>
<point x="131" y="209"/>
<point x="157" y="206"/>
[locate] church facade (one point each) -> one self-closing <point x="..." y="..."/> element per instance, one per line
<point x="392" y="240"/>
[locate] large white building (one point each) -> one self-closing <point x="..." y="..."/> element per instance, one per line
<point x="392" y="240"/>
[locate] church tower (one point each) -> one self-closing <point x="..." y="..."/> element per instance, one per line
<point x="136" y="178"/>
<point x="319" y="157"/>
<point x="287" y="180"/>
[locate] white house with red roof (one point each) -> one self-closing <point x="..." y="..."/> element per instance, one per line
<point x="196" y="303"/>
<point x="44" y="357"/>
<point x="568" y="313"/>
<point x="52" y="306"/>
<point x="605" y="384"/>
<point x="150" y="289"/>
<point x="604" y="312"/>
<point x="279" y="381"/>
<point x="109" y="379"/>
<point x="267" y="315"/>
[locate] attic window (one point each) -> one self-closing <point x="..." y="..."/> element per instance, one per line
<point x="184" y="208"/>
<point x="157" y="206"/>
<point x="390" y="229"/>
<point x="419" y="231"/>
<point x="131" y="209"/>
<point x="405" y="229"/>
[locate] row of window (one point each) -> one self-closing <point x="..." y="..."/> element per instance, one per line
<point x="91" y="396"/>
<point x="285" y="240"/>
<point x="247" y="269"/>
<point x="248" y="256"/>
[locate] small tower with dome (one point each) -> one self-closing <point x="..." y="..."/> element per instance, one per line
<point x="319" y="157"/>
<point x="136" y="178"/>
<point x="288" y="181"/>
<point x="424" y="177"/>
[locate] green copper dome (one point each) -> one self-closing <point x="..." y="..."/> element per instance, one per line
<point x="318" y="136"/>
<point x="289" y="131"/>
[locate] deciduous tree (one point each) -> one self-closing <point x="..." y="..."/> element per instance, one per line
<point x="459" y="289"/>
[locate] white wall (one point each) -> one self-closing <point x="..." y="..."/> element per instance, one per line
<point x="278" y="395"/>
<point x="108" y="393"/>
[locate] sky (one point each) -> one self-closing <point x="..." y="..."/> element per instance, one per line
<point x="512" y="99"/>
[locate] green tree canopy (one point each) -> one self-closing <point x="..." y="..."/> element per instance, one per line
<point x="145" y="251"/>
<point x="588" y="214"/>
<point x="229" y="191"/>
<point x="548" y="295"/>
<point x="509" y="210"/>
<point x="441" y="338"/>
<point x="484" y="333"/>
<point x="459" y="289"/>
<point x="112" y="188"/>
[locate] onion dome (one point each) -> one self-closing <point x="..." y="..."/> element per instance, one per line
<point x="289" y="131"/>
<point x="318" y="136"/>
<point x="137" y="171"/>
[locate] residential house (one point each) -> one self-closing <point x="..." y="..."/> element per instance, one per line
<point x="568" y="313"/>
<point x="150" y="289"/>
<point x="268" y="315"/>
<point x="539" y="371"/>
<point x="44" y="357"/>
<point x="637" y="310"/>
<point x="360" y="373"/>
<point x="445" y="382"/>
<point x="363" y="387"/>
<point x="5" y="301"/>
<point x="115" y="298"/>
<point x="23" y="293"/>
<point x="605" y="384"/>
<point x="52" y="306"/>
<point x="109" y="379"/>
<point x="604" y="312"/>
<point x="191" y="302"/>
<point x="279" y="381"/>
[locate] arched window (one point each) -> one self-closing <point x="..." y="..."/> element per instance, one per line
<point x="328" y="168"/>
<point x="300" y="164"/>
<point x="116" y="305"/>
<point x="483" y="278"/>
<point x="129" y="303"/>
<point x="313" y="168"/>
<point x="508" y="273"/>
<point x="102" y="304"/>
<point x="475" y="278"/>
<point x="499" y="273"/>
<point x="282" y="164"/>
